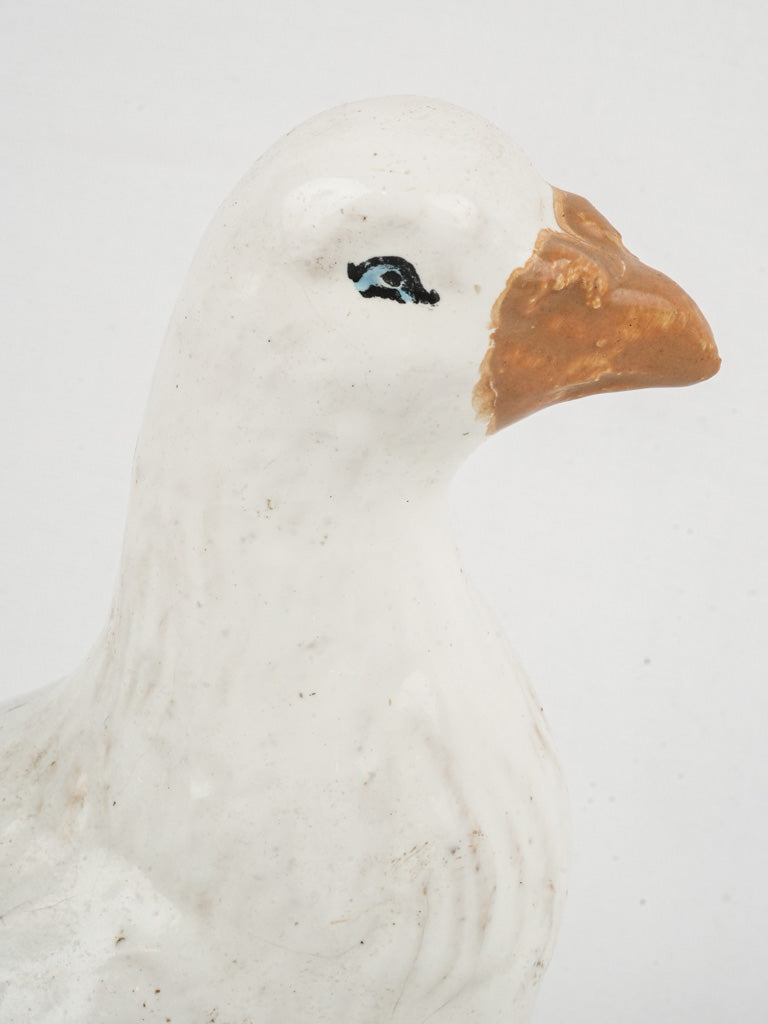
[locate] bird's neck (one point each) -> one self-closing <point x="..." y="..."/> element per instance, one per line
<point x="288" y="522"/>
<point x="289" y="544"/>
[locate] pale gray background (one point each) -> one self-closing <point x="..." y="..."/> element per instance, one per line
<point x="621" y="538"/>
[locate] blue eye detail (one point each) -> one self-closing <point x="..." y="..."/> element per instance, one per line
<point x="390" y="277"/>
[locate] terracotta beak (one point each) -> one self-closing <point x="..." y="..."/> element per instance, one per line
<point x="583" y="316"/>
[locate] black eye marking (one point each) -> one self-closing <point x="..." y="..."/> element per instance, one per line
<point x="390" y="277"/>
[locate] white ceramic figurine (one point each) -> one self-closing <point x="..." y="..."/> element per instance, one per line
<point x="300" y="779"/>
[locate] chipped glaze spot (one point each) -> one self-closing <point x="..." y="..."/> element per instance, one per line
<point x="583" y="316"/>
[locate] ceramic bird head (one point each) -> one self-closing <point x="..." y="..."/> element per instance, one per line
<point x="398" y="266"/>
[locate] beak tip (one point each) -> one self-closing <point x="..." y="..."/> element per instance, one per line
<point x="709" y="359"/>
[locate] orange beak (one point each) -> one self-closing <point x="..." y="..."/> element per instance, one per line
<point x="583" y="316"/>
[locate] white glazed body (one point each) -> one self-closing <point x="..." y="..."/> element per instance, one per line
<point x="300" y="777"/>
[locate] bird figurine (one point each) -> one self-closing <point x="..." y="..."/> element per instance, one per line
<point x="300" y="777"/>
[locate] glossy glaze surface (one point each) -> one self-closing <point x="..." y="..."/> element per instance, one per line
<point x="301" y="776"/>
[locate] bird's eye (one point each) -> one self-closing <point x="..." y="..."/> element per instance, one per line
<point x="390" y="277"/>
